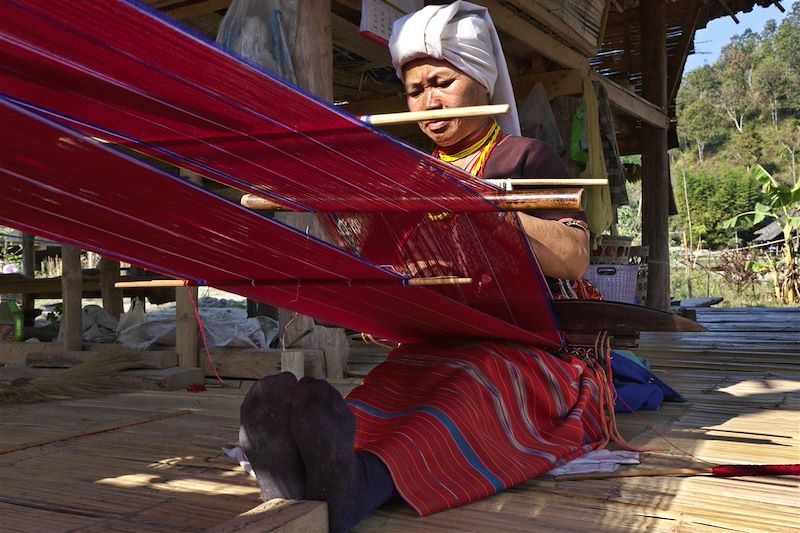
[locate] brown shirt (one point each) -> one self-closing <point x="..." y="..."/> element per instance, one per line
<point x="521" y="157"/>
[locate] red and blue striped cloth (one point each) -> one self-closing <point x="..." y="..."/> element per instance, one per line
<point x="460" y="423"/>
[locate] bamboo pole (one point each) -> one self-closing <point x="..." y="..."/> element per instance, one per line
<point x="390" y="119"/>
<point x="561" y="199"/>
<point x="411" y="282"/>
<point x="508" y="183"/>
<point x="718" y="471"/>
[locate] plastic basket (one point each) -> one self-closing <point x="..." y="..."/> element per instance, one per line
<point x="613" y="249"/>
<point x="617" y="283"/>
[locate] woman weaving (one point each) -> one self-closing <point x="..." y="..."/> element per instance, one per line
<point x="440" y="426"/>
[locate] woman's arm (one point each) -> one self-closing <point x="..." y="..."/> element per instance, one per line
<point x="562" y="251"/>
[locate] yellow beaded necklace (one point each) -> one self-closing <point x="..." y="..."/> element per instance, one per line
<point x="485" y="143"/>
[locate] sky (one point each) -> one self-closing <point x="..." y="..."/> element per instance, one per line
<point x="709" y="41"/>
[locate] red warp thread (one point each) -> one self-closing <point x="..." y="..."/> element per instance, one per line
<point x="203" y="335"/>
<point x="756" y="470"/>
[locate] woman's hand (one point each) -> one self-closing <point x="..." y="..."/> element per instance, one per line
<point x="562" y="251"/>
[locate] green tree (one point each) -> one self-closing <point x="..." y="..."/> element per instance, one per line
<point x="781" y="204"/>
<point x="734" y="95"/>
<point x="699" y="120"/>
<point x="714" y="195"/>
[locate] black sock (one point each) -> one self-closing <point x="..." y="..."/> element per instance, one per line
<point x="265" y="437"/>
<point x="353" y="484"/>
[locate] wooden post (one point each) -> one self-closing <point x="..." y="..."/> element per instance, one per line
<point x="312" y="56"/>
<point x="112" y="298"/>
<point x="655" y="163"/>
<point x="293" y="361"/>
<point x="186" y="328"/>
<point x="72" y="293"/>
<point x="29" y="269"/>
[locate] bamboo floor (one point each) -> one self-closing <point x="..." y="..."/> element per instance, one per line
<point x="72" y="466"/>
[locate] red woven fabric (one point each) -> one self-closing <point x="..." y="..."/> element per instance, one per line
<point x="124" y="74"/>
<point x="73" y="190"/>
<point x="128" y="75"/>
<point x="458" y="424"/>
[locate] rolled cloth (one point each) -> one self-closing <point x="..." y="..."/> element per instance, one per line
<point x="462" y="34"/>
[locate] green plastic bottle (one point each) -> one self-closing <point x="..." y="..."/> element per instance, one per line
<point x="11" y="321"/>
<point x="19" y="320"/>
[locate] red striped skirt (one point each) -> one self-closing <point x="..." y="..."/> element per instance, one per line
<point x="457" y="424"/>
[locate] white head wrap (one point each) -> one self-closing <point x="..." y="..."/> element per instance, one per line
<point x="462" y="34"/>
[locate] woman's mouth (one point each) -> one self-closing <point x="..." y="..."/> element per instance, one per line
<point x="438" y="126"/>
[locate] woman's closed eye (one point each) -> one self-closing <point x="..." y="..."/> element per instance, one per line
<point x="443" y="84"/>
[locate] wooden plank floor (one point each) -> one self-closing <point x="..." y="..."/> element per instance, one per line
<point x="742" y="380"/>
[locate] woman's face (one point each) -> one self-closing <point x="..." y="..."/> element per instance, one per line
<point x="436" y="84"/>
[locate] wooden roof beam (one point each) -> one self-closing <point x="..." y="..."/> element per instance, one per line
<point x="183" y="11"/>
<point x="682" y="51"/>
<point x="632" y="104"/>
<point x="557" y="83"/>
<point x="539" y="41"/>
<point x="557" y="25"/>
<point x="728" y="10"/>
<point x="346" y="34"/>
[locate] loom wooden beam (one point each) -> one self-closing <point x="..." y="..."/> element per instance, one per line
<point x="561" y="199"/>
<point x="586" y="317"/>
<point x="655" y="164"/>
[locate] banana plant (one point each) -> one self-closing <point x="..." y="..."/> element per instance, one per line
<point x="783" y="206"/>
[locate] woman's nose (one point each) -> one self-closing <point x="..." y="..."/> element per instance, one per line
<point x="433" y="98"/>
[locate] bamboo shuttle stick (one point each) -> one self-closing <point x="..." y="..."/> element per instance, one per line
<point x="407" y="117"/>
<point x="411" y="282"/>
<point x="718" y="471"/>
<point x="507" y="183"/>
<point x="560" y="199"/>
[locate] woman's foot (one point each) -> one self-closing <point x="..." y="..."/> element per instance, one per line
<point x="265" y="437"/>
<point x="324" y="429"/>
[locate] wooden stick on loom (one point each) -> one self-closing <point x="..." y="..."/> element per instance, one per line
<point x="390" y="119"/>
<point x="508" y="183"/>
<point x="411" y="282"/>
<point x="718" y="471"/>
<point x="562" y="199"/>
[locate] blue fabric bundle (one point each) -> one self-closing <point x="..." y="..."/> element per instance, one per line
<point x="638" y="389"/>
